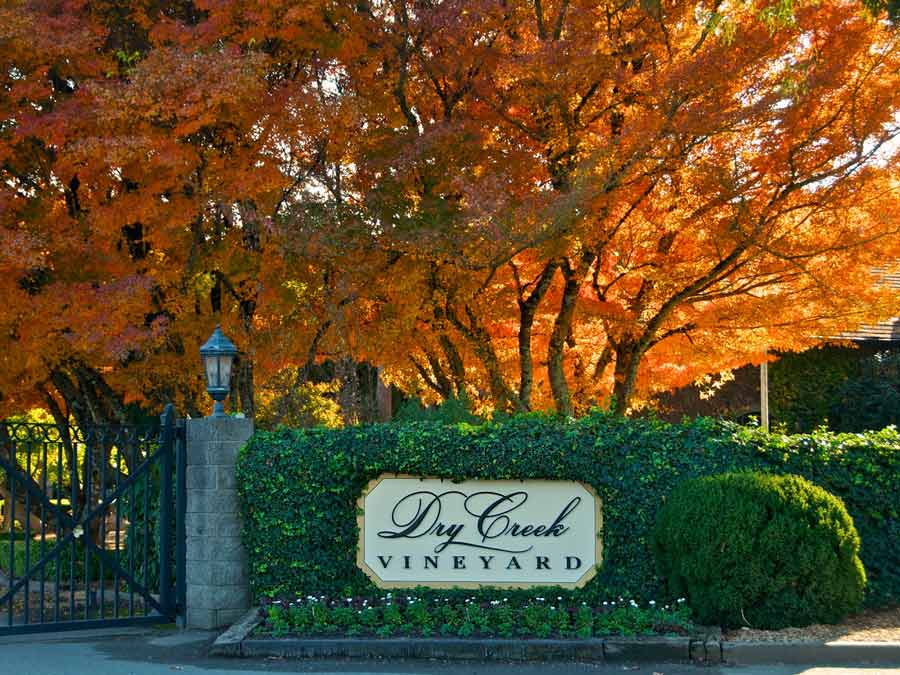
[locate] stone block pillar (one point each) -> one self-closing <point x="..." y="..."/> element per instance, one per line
<point x="217" y="585"/>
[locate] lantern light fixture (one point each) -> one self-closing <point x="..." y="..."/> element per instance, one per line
<point x="218" y="356"/>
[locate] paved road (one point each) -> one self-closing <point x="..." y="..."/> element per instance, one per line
<point x="160" y="652"/>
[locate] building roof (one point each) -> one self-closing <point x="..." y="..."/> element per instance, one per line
<point x="886" y="331"/>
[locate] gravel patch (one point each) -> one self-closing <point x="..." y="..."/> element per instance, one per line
<point x="870" y="626"/>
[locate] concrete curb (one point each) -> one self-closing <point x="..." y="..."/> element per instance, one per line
<point x="656" y="650"/>
<point x="822" y="653"/>
<point x="707" y="648"/>
<point x="661" y="650"/>
<point x="229" y="643"/>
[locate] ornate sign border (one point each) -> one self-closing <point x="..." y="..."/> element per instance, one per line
<point x="361" y="541"/>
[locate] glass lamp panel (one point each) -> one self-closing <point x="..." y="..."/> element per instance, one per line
<point x="225" y="370"/>
<point x="211" y="363"/>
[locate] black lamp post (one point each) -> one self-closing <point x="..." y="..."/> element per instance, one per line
<point x="218" y="354"/>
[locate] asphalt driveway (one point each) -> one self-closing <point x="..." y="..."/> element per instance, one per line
<point x="161" y="651"/>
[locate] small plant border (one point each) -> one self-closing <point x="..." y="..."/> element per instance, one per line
<point x="416" y="615"/>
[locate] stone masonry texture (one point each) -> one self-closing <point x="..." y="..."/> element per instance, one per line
<point x="218" y="589"/>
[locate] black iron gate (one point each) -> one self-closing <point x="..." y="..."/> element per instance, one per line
<point x="92" y="525"/>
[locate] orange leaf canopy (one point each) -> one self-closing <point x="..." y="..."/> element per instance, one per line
<point x="533" y="204"/>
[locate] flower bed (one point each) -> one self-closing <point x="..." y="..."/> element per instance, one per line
<point x="465" y="615"/>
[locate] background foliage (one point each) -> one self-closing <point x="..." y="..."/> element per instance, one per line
<point x="842" y="388"/>
<point x="299" y="488"/>
<point x="449" y="411"/>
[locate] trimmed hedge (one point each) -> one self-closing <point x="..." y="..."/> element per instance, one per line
<point x="784" y="552"/>
<point x="299" y="488"/>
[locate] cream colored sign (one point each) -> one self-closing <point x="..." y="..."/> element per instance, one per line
<point x="431" y="532"/>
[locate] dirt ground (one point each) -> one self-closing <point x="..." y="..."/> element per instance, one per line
<point x="870" y="626"/>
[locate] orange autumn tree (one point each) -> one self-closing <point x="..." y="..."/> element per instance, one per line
<point x="589" y="199"/>
<point x="143" y="169"/>
<point x="536" y="204"/>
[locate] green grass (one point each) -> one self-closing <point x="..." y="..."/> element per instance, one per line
<point x="34" y="554"/>
<point x="63" y="559"/>
<point x="18" y="546"/>
<point x="17" y="536"/>
<point x="17" y="542"/>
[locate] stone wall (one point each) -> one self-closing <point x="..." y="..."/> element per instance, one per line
<point x="217" y="585"/>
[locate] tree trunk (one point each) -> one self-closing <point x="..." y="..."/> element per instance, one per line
<point x="527" y="310"/>
<point x="24" y="483"/>
<point x="442" y="382"/>
<point x="383" y="398"/>
<point x="457" y="368"/>
<point x="562" y="330"/>
<point x="33" y="519"/>
<point x="484" y="349"/>
<point x="245" y="387"/>
<point x="627" y="361"/>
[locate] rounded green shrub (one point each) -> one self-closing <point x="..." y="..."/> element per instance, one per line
<point x="760" y="550"/>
